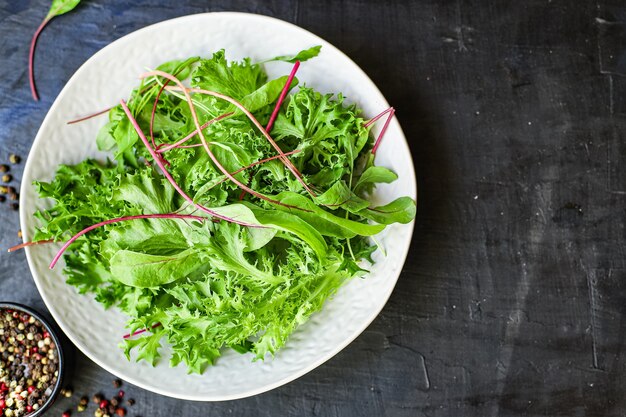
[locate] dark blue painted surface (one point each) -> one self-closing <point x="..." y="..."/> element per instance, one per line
<point x="512" y="301"/>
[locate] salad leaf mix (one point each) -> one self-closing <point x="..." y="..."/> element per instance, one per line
<point x="164" y="232"/>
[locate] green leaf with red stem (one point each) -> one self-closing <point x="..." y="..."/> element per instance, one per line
<point x="57" y="8"/>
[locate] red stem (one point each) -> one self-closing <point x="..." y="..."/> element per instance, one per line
<point x="31" y="59"/>
<point x="283" y="158"/>
<point x="383" y="130"/>
<point x="71" y="122"/>
<point x="116" y="220"/>
<point x="26" y="244"/>
<point x="378" y="116"/>
<point x="262" y="161"/>
<point x="136" y="332"/>
<point x="169" y="177"/>
<point x="282" y="96"/>
<point x="194" y="133"/>
<point x="154" y="107"/>
<point x="194" y="116"/>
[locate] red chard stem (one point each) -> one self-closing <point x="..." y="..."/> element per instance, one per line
<point x="31" y="59"/>
<point x="159" y="161"/>
<point x="383" y="130"/>
<point x="117" y="220"/>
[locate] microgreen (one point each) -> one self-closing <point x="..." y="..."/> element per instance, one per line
<point x="135" y="227"/>
<point x="57" y="8"/>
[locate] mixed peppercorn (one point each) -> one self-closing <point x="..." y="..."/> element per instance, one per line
<point x="29" y="363"/>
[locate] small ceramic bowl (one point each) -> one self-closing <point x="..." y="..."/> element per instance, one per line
<point x="54" y="335"/>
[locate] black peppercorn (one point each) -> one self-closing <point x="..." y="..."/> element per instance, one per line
<point x="14" y="159"/>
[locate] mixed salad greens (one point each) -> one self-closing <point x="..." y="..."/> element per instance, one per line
<point x="229" y="211"/>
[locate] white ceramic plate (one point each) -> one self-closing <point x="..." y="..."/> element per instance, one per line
<point x="110" y="75"/>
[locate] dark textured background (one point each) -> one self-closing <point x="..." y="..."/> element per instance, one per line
<point x="512" y="300"/>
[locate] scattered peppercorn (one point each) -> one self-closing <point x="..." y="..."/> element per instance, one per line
<point x="97" y="398"/>
<point x="7" y="178"/>
<point x="84" y="401"/>
<point x="13" y="196"/>
<point x="67" y="392"/>
<point x="115" y="401"/>
<point x="14" y="159"/>
<point x="121" y="394"/>
<point x="15" y="206"/>
<point x="80" y="408"/>
<point x="120" y="411"/>
<point x="19" y="234"/>
<point x="117" y="383"/>
<point x="67" y="413"/>
<point x="98" y="413"/>
<point x="130" y="402"/>
<point x="11" y="190"/>
<point x="4" y="168"/>
<point x="103" y="404"/>
<point x="2" y="198"/>
<point x="4" y="189"/>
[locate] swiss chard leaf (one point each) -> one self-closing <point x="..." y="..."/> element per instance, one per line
<point x="400" y="210"/>
<point x="326" y="223"/>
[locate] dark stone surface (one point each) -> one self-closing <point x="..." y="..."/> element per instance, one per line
<point x="512" y="300"/>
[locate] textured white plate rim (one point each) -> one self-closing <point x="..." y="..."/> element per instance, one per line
<point x="266" y="387"/>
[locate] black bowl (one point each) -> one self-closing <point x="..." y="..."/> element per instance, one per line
<point x="54" y="334"/>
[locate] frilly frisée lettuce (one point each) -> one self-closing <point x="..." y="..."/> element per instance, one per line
<point x="231" y="208"/>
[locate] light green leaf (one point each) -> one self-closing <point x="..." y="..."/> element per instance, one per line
<point x="340" y="196"/>
<point x="401" y="210"/>
<point x="324" y="222"/>
<point x="373" y="175"/>
<point x="59" y="7"/>
<point x="301" y="56"/>
<point x="150" y="271"/>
